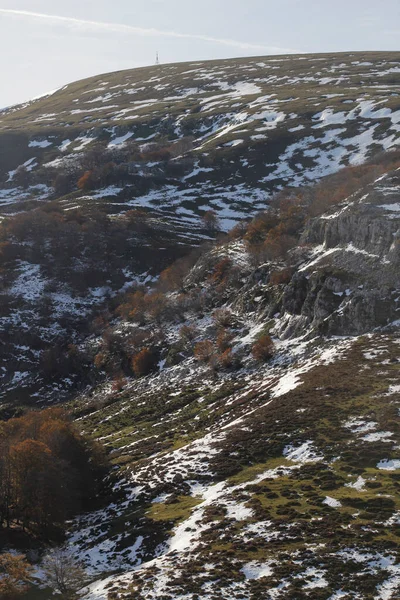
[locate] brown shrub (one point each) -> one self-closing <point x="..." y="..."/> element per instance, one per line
<point x="204" y="351"/>
<point x="159" y="155"/>
<point x="99" y="324"/>
<point x="227" y="359"/>
<point x="156" y="306"/>
<point x="133" y="309"/>
<point x="263" y="348"/>
<point x="100" y="360"/>
<point x="172" y="277"/>
<point x="277" y="246"/>
<point x="224" y="340"/>
<point x="119" y="382"/>
<point x="188" y="333"/>
<point x="221" y="270"/>
<point x="238" y="232"/>
<point x="143" y="362"/>
<point x="280" y="277"/>
<point x="259" y="227"/>
<point x="139" y="221"/>
<point x="87" y="181"/>
<point x="222" y="318"/>
<point x="211" y="221"/>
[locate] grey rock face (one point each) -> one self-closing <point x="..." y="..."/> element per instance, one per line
<point x="350" y="288"/>
<point x="350" y="283"/>
<point x="348" y="277"/>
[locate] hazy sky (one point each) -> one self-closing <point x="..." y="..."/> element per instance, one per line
<point x="47" y="43"/>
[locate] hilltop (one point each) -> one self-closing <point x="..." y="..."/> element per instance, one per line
<point x="192" y="137"/>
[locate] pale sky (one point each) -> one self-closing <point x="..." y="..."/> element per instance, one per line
<point x="45" y="44"/>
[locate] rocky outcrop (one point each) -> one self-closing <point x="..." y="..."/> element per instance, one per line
<point x="370" y="220"/>
<point x="350" y="283"/>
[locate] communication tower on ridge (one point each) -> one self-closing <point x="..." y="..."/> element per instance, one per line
<point x="157" y="58"/>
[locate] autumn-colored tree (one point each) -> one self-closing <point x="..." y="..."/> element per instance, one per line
<point x="100" y="360"/>
<point x="172" y="277"/>
<point x="227" y="359"/>
<point x="59" y="436"/>
<point x="263" y="348"/>
<point x="221" y="269"/>
<point x="224" y="340"/>
<point x="15" y="573"/>
<point x="37" y="484"/>
<point x="87" y="181"/>
<point x="277" y="246"/>
<point x="134" y="307"/>
<point x="260" y="225"/>
<point x="238" y="231"/>
<point x="280" y="277"/>
<point x="157" y="306"/>
<point x="143" y="362"/>
<point x="47" y="470"/>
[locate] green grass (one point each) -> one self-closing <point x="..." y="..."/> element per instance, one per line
<point x="177" y="511"/>
<point x="250" y="473"/>
<point x="309" y="532"/>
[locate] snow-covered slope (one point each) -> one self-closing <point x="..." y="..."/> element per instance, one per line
<point x="231" y="132"/>
<point x="290" y="481"/>
<point x="277" y="480"/>
<point x="234" y="476"/>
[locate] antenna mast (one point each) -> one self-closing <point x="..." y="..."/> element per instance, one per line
<point x="157" y="58"/>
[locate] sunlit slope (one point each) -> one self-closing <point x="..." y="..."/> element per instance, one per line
<point x="226" y="134"/>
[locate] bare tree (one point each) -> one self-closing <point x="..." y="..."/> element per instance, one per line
<point x="211" y="221"/>
<point x="65" y="575"/>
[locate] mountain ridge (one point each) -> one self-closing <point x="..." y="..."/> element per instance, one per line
<point x="221" y="136"/>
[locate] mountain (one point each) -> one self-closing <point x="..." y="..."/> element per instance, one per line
<point x="170" y="153"/>
<point x="190" y="137"/>
<point x="245" y="384"/>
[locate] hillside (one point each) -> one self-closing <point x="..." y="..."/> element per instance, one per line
<point x="269" y="477"/>
<point x="244" y="383"/>
<point x="268" y="481"/>
<point x="171" y="154"/>
<point x="193" y="137"/>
